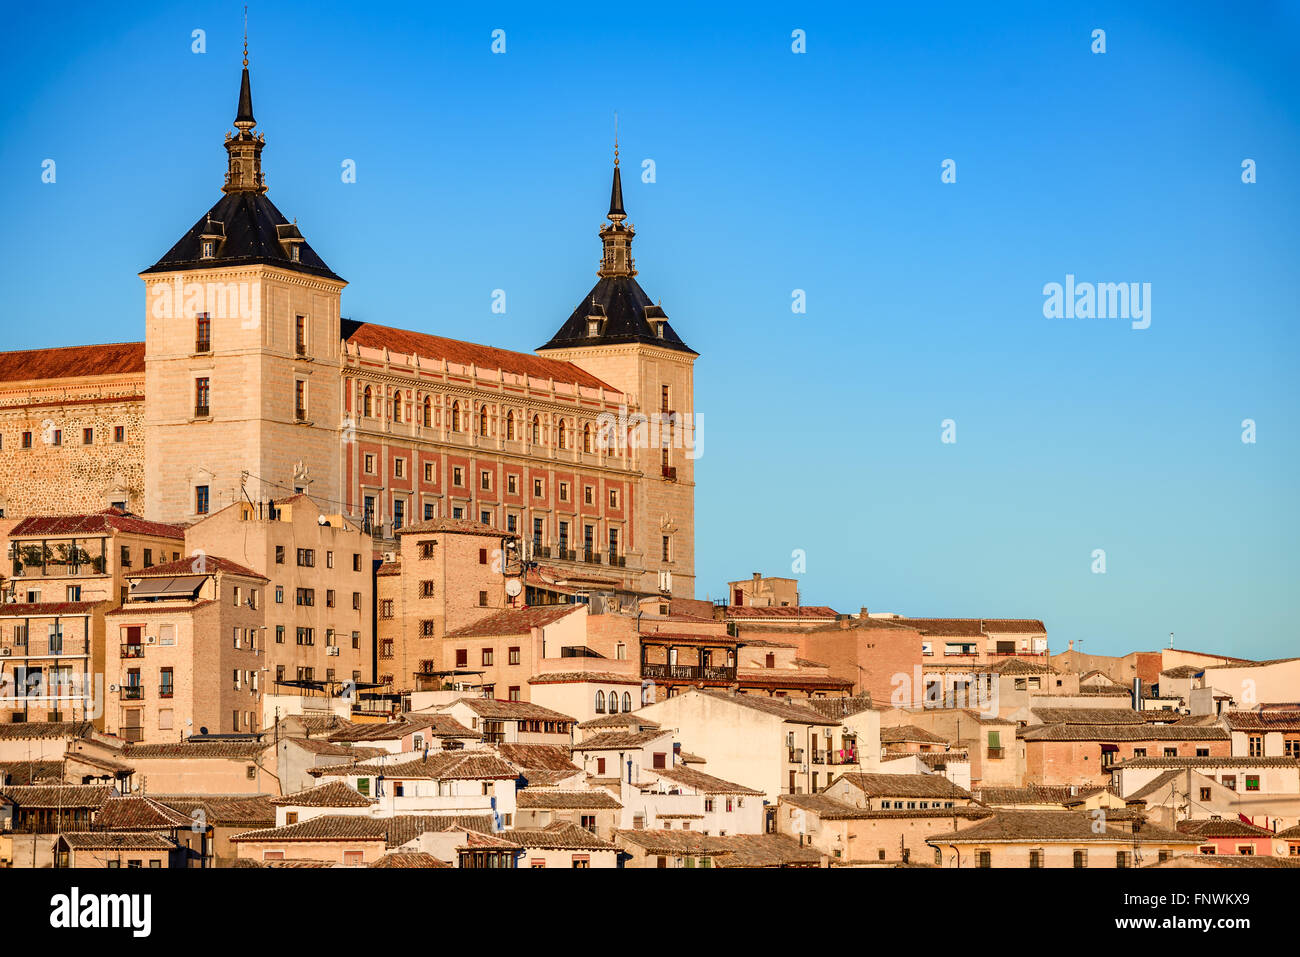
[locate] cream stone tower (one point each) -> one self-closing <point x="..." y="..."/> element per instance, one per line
<point x="242" y="353"/>
<point x="617" y="334"/>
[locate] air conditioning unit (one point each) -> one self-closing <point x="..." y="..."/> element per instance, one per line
<point x="151" y="639"/>
<point x="112" y="688"/>
<point x="390" y="556"/>
<point x="332" y="650"/>
<point x="6" y="652"/>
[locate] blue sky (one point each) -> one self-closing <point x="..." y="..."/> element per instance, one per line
<point x="777" y="171"/>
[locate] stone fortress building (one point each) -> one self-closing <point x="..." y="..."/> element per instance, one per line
<point x="251" y="386"/>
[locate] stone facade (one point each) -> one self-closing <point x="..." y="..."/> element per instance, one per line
<point x="60" y="445"/>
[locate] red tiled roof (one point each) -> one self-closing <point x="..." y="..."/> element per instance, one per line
<point x="514" y="621"/>
<point x="427" y="346"/>
<point x="201" y="565"/>
<point x="94" y="523"/>
<point x="782" y="611"/>
<point x="973" y="627"/>
<point x="117" y="358"/>
<point x="47" y="609"/>
<point x="462" y="526"/>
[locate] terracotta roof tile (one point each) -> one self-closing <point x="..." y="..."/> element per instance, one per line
<point x="542" y="798"/>
<point x="117" y="841"/>
<point x="332" y="794"/>
<point x="409" y="859"/>
<point x="513" y="621"/>
<point x="905" y="785"/>
<point x="139" y="814"/>
<point x="115" y="359"/>
<point x="59" y="795"/>
<point x="428" y="346"/>
<point x="700" y="782"/>
<point x="187" y="566"/>
<point x="105" y="522"/>
<point x="1012" y="827"/>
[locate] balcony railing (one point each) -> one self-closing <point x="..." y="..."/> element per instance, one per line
<point x="591" y="557"/>
<point x="203" y="344"/>
<point x="670" y="472"/>
<point x="796" y="755"/>
<point x="133" y="651"/>
<point x="133" y="735"/>
<point x="132" y="692"/>
<point x="618" y="561"/>
<point x="996" y="753"/>
<point x="842" y="756"/>
<point x="687" y="672"/>
<point x="818" y="756"/>
<point x="201" y="411"/>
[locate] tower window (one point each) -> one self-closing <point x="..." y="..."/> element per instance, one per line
<point x="201" y="397"/>
<point x="367" y="399"/>
<point x="202" y="333"/>
<point x="300" y="334"/>
<point x="200" y="500"/>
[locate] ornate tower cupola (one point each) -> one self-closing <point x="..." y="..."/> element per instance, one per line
<point x="244" y="174"/>
<point x="616" y="235"/>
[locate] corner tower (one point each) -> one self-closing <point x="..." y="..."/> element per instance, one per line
<point x="242" y="352"/>
<point x="620" y="336"/>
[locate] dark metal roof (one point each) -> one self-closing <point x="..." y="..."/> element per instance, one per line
<point x="625" y="306"/>
<point x="251" y="224"/>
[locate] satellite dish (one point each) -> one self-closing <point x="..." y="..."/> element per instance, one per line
<point x="513" y="587"/>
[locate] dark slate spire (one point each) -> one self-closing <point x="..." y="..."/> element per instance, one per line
<point x="616" y="211"/>
<point x="244" y="118"/>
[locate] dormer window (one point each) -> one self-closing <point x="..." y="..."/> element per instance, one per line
<point x="659" y="330"/>
<point x="593" y="327"/>
<point x="293" y="252"/>
<point x="209" y="248"/>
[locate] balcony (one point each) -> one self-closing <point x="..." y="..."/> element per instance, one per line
<point x="843" y="756"/>
<point x="133" y="651"/>
<point x="687" y="672"/>
<point x="202" y="411"/>
<point x="591" y="557"/>
<point x="996" y="754"/>
<point x="818" y="756"/>
<point x="796" y="755"/>
<point x="202" y="344"/>
<point x="618" y="561"/>
<point x="300" y="415"/>
<point x="669" y="472"/>
<point x="132" y="692"/>
<point x="132" y="735"/>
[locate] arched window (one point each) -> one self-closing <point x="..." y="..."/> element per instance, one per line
<point x="510" y="424"/>
<point x="428" y="412"/>
<point x="455" y="416"/>
<point x="600" y="702"/>
<point x="586" y="436"/>
<point x="627" y="701"/>
<point x="397" y="407"/>
<point x="613" y="702"/>
<point x="483" y="421"/>
<point x="366" y="408"/>
<point x="537" y="430"/>
<point x="563" y="444"/>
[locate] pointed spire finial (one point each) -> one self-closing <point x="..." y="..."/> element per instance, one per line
<point x="245" y="36"/>
<point x="616" y="213"/>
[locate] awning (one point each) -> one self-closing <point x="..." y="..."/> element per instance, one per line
<point x="182" y="586"/>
